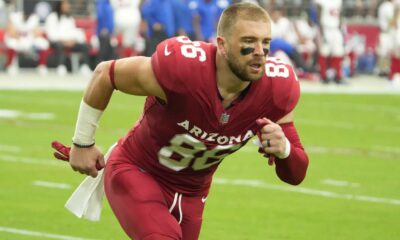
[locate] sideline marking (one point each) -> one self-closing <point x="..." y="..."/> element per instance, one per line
<point x="309" y="191"/>
<point x="51" y="184"/>
<point x="39" y="234"/>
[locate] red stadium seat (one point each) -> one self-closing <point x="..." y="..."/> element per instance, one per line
<point x="370" y="31"/>
<point x="86" y="23"/>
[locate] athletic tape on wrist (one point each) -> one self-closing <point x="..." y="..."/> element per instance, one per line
<point x="86" y="124"/>
<point x="287" y="150"/>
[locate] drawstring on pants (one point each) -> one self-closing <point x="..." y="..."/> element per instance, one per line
<point x="177" y="198"/>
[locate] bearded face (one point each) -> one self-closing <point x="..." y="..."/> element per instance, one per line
<point x="246" y="49"/>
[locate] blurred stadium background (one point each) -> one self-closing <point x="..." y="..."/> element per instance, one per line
<point x="350" y="131"/>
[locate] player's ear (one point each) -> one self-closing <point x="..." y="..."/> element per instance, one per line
<point x="221" y="45"/>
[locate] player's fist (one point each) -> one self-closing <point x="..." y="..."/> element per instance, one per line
<point x="74" y="156"/>
<point x="272" y="137"/>
<point x="84" y="160"/>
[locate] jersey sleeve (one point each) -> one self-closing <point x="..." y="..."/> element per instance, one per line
<point x="286" y="86"/>
<point x="169" y="67"/>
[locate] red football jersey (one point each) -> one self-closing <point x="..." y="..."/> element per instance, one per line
<point x="181" y="142"/>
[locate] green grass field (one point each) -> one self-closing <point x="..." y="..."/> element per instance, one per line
<point x="352" y="190"/>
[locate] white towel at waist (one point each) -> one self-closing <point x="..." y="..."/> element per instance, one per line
<point x="86" y="201"/>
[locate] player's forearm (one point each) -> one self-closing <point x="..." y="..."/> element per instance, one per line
<point x="95" y="100"/>
<point x="292" y="169"/>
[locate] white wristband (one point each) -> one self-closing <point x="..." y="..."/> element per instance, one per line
<point x="287" y="150"/>
<point x="86" y="124"/>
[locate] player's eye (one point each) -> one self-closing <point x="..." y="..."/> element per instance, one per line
<point x="248" y="40"/>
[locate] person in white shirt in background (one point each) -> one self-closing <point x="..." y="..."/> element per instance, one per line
<point x="389" y="40"/>
<point x="385" y="45"/>
<point x="296" y="34"/>
<point x="127" y="21"/>
<point x="24" y="36"/>
<point x="331" y="42"/>
<point x="64" y="36"/>
<point x="304" y="37"/>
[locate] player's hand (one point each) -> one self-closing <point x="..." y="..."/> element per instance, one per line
<point x="85" y="160"/>
<point x="273" y="139"/>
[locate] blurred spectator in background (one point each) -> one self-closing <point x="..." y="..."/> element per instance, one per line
<point x="3" y="14"/>
<point x="385" y="45"/>
<point x="357" y="54"/>
<point x="105" y="30"/>
<point x="372" y="9"/>
<point x="359" y="8"/>
<point x="160" y="21"/>
<point x="127" y="20"/>
<point x="205" y="17"/>
<point x="184" y="18"/>
<point x="386" y="13"/>
<point x="65" y="37"/>
<point x="394" y="74"/>
<point x="288" y="37"/>
<point x="24" y="36"/>
<point x="42" y="10"/>
<point x="331" y="43"/>
<point x="305" y="36"/>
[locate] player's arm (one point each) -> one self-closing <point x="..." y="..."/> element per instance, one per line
<point x="282" y="143"/>
<point x="130" y="75"/>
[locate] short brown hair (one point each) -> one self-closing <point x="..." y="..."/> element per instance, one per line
<point x="244" y="11"/>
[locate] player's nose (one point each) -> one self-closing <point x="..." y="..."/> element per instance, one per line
<point x="259" y="50"/>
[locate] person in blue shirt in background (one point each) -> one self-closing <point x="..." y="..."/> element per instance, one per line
<point x="105" y="29"/>
<point x="206" y="14"/>
<point x="184" y="18"/>
<point x="159" y="16"/>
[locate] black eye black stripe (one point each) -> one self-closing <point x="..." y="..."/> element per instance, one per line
<point x="248" y="50"/>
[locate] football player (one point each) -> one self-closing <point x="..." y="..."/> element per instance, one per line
<point x="204" y="102"/>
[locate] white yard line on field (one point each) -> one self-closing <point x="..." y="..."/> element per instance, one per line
<point x="308" y="191"/>
<point x="390" y="153"/>
<point x="7" y="148"/>
<point x="38" y="234"/>
<point x="355" y="106"/>
<point x="339" y="183"/>
<point x="51" y="184"/>
<point x="252" y="183"/>
<point x="347" y="125"/>
<point x="14" y="114"/>
<point x="8" y="158"/>
<point x="387" y="149"/>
